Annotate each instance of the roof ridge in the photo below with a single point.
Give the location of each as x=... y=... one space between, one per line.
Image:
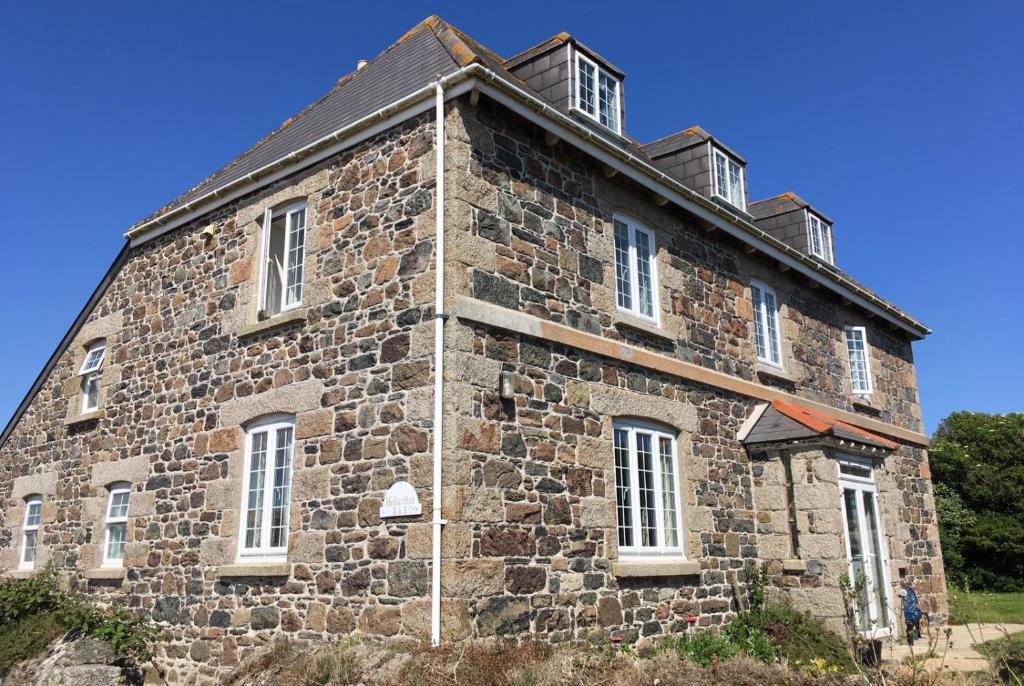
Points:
x=694 y=130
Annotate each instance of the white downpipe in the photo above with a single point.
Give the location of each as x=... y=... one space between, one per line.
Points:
x=439 y=319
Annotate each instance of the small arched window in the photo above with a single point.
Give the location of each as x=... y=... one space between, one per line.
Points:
x=30 y=532
x=648 y=513
x=117 y=524
x=91 y=375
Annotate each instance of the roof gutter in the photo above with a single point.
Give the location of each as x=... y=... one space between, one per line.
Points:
x=707 y=209
x=559 y=123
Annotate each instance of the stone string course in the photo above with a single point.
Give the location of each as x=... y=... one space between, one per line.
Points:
x=528 y=491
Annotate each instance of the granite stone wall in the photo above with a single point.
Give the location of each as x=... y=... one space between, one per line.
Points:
x=530 y=543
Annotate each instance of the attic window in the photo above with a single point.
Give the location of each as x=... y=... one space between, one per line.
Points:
x=92 y=375
x=728 y=178
x=284 y=241
x=597 y=93
x=819 y=239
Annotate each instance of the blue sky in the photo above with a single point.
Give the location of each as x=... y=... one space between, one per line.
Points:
x=902 y=121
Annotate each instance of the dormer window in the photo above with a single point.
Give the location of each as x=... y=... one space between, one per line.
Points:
x=728 y=179
x=597 y=93
x=819 y=238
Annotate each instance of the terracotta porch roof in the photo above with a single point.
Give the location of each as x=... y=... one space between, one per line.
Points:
x=782 y=421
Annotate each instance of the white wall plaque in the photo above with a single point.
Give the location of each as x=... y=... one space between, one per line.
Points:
x=400 y=501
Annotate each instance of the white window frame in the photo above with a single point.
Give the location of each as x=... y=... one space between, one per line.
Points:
x=867 y=359
x=577 y=95
x=633 y=270
x=116 y=489
x=264 y=551
x=660 y=550
x=819 y=232
x=268 y=217
x=725 y=194
x=27 y=528
x=91 y=372
x=761 y=319
x=861 y=485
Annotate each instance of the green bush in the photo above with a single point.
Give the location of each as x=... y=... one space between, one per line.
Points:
x=707 y=647
x=795 y=636
x=25 y=638
x=36 y=610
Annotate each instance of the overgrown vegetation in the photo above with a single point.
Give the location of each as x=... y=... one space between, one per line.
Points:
x=1007 y=657
x=977 y=463
x=35 y=611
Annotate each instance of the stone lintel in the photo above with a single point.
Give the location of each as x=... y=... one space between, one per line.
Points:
x=275 y=322
x=250 y=569
x=651 y=568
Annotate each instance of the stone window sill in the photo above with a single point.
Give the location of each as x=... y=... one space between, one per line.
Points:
x=275 y=322
x=106 y=573
x=762 y=369
x=251 y=569
x=84 y=417
x=625 y=321
x=863 y=402
x=21 y=573
x=624 y=569
x=794 y=566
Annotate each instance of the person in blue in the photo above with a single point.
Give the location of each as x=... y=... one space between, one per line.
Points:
x=912 y=614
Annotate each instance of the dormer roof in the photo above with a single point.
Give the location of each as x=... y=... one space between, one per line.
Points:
x=687 y=138
x=781 y=204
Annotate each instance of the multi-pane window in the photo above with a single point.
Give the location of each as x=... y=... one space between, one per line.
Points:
x=284 y=245
x=30 y=531
x=117 y=524
x=820 y=238
x=728 y=179
x=91 y=373
x=860 y=367
x=766 y=324
x=265 y=498
x=635 y=276
x=597 y=93
x=648 y=515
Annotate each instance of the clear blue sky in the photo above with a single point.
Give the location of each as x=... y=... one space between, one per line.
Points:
x=903 y=121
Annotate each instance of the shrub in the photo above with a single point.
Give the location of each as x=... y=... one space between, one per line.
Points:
x=40 y=603
x=25 y=638
x=795 y=636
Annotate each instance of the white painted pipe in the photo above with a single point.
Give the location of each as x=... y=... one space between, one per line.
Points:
x=439 y=319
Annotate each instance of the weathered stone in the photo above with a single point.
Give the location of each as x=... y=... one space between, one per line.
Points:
x=503 y=615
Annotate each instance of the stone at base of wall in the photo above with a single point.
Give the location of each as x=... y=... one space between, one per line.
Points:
x=255 y=569
x=650 y=568
x=105 y=573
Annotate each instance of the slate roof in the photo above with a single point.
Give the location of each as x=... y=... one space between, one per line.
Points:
x=685 y=139
x=780 y=204
x=413 y=62
x=786 y=422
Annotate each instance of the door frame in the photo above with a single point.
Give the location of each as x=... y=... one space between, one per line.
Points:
x=867 y=484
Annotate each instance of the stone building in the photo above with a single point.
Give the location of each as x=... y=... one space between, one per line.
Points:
x=646 y=383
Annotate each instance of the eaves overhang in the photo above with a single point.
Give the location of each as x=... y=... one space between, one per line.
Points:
x=477 y=77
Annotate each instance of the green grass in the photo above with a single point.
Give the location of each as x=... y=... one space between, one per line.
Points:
x=971 y=607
